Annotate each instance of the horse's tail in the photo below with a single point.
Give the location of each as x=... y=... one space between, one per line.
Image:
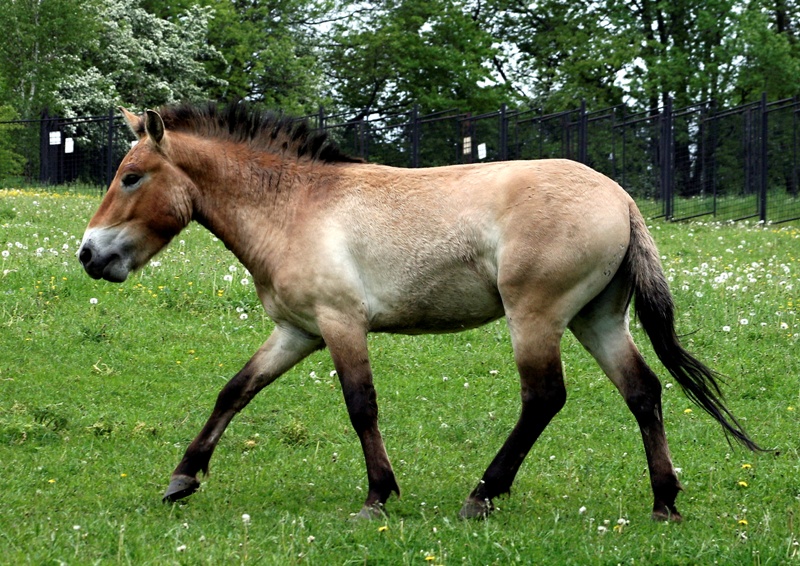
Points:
x=656 y=312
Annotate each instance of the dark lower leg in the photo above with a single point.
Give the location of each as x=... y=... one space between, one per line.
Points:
x=362 y=406
x=643 y=396
x=281 y=351
x=198 y=454
x=543 y=396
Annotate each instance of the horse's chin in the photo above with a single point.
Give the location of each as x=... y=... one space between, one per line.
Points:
x=116 y=272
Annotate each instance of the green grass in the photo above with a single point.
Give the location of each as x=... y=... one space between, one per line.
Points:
x=98 y=400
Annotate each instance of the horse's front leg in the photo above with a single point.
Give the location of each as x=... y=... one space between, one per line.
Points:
x=284 y=348
x=348 y=347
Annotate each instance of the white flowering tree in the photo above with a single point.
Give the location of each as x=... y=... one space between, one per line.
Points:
x=140 y=60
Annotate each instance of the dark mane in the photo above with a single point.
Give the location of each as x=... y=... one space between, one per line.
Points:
x=241 y=122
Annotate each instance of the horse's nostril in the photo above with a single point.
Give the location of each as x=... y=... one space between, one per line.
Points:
x=85 y=256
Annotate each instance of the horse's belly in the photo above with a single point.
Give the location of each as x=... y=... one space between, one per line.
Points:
x=441 y=307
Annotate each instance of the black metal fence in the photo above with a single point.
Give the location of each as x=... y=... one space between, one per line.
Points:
x=736 y=163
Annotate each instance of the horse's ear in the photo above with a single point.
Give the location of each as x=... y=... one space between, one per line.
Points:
x=134 y=122
x=154 y=126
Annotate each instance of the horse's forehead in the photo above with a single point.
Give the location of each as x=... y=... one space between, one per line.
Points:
x=141 y=156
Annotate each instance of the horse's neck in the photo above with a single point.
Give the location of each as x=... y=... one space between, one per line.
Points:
x=246 y=206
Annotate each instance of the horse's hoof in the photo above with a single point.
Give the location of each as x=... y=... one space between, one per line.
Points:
x=475 y=509
x=180 y=487
x=666 y=515
x=371 y=512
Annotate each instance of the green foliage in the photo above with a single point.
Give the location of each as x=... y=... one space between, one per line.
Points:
x=140 y=60
x=379 y=58
x=40 y=44
x=11 y=163
x=90 y=429
x=393 y=54
x=270 y=53
x=770 y=60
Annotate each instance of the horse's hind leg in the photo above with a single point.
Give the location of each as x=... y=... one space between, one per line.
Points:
x=538 y=357
x=602 y=328
x=280 y=352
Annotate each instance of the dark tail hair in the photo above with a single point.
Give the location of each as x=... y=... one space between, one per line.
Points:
x=656 y=312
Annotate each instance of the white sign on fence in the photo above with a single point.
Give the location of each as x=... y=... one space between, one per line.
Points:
x=55 y=138
x=69 y=145
x=482 y=151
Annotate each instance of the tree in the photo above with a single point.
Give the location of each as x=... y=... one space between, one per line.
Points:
x=769 y=51
x=268 y=49
x=11 y=163
x=270 y=52
x=41 y=42
x=557 y=52
x=141 y=60
x=387 y=56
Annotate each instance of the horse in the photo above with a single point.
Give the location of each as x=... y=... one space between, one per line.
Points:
x=339 y=248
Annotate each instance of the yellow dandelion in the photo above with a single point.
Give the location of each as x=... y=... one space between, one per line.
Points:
x=746 y=466
x=191 y=351
x=383 y=529
x=742 y=484
x=742 y=522
x=790 y=408
x=687 y=411
x=51 y=481
x=429 y=558
x=123 y=475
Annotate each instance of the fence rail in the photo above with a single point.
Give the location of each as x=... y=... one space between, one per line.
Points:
x=735 y=163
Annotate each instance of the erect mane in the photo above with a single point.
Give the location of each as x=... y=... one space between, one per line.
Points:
x=240 y=122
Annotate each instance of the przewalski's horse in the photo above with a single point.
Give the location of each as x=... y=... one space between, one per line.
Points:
x=338 y=248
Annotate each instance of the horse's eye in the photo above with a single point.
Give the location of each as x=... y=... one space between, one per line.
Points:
x=130 y=180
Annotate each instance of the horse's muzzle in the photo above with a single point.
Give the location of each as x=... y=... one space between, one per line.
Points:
x=108 y=266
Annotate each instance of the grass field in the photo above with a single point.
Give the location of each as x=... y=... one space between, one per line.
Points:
x=102 y=387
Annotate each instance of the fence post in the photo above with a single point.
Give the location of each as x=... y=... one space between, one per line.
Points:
x=503 y=132
x=763 y=170
x=583 y=130
x=43 y=147
x=110 y=148
x=666 y=157
x=415 y=134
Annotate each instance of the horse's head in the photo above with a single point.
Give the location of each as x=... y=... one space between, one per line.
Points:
x=148 y=203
